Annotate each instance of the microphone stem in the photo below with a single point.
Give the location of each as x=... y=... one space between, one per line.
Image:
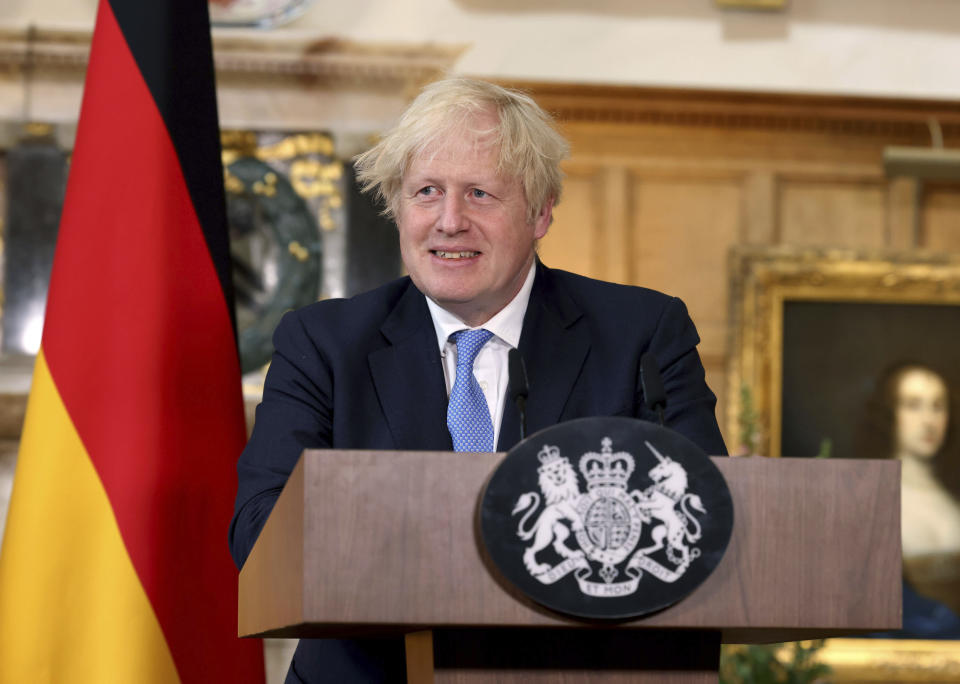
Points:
x=522 y=405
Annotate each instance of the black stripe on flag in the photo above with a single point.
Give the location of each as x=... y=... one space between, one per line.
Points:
x=170 y=41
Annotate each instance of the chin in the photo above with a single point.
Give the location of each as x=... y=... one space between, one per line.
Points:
x=924 y=455
x=452 y=297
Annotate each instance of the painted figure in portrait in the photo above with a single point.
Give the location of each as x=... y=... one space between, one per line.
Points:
x=909 y=418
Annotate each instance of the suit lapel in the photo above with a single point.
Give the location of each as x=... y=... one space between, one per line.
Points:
x=554 y=349
x=409 y=378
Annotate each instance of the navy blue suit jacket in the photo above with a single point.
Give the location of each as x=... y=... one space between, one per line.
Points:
x=365 y=373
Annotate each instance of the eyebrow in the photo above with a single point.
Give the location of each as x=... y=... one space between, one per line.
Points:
x=422 y=181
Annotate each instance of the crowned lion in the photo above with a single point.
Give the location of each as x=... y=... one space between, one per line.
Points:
x=561 y=491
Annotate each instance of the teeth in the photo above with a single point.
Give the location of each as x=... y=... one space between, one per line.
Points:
x=456 y=255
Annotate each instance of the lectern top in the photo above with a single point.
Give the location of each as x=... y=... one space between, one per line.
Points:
x=385 y=542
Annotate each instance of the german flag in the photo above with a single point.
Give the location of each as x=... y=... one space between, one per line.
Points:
x=114 y=566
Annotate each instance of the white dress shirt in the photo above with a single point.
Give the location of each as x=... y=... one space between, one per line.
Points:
x=491 y=366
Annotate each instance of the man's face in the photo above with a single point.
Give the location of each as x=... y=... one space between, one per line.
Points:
x=464 y=234
x=921 y=415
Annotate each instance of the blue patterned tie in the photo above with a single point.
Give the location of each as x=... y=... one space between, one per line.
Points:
x=468 y=417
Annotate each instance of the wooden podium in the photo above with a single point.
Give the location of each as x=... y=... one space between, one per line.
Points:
x=374 y=543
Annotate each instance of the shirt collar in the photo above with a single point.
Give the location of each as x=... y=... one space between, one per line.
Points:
x=507 y=324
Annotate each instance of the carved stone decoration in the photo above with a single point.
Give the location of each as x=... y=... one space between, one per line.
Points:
x=299 y=230
x=290 y=82
x=281 y=190
x=263 y=14
x=238 y=52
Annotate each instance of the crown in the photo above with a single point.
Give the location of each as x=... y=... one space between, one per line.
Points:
x=606 y=469
x=548 y=454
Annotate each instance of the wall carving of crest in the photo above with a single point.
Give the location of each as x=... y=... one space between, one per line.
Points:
x=263 y=81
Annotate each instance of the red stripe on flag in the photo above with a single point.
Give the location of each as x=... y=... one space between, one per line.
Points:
x=140 y=345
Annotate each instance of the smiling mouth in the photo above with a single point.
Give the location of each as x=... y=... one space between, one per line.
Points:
x=454 y=255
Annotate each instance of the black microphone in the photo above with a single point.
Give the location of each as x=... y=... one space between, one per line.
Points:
x=518 y=388
x=654 y=396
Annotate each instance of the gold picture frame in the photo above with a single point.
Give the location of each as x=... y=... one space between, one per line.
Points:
x=891 y=661
x=766 y=284
x=763 y=280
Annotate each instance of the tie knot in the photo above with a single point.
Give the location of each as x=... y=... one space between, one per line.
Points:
x=468 y=344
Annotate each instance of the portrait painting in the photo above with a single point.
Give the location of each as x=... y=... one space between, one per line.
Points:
x=847 y=354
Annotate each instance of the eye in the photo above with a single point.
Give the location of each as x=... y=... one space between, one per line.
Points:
x=911 y=403
x=477 y=193
x=427 y=191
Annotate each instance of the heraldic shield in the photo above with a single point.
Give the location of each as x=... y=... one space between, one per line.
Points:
x=606 y=518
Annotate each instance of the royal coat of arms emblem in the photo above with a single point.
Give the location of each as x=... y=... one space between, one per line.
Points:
x=603 y=525
x=611 y=533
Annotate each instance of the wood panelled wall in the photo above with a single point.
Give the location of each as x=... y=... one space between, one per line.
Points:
x=661 y=184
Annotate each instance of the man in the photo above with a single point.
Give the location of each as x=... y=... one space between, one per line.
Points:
x=471 y=175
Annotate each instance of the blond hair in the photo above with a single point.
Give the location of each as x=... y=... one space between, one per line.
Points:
x=530 y=148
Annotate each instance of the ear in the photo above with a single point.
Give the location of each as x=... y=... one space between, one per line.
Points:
x=543 y=220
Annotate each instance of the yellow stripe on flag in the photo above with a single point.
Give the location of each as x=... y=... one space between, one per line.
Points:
x=73 y=609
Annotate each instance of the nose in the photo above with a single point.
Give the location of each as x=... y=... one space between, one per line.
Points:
x=452 y=219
